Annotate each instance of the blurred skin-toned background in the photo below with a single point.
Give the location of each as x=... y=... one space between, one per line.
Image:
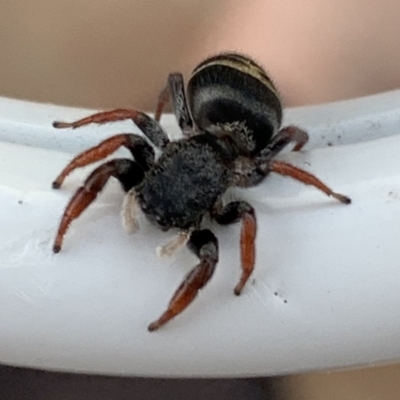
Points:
x=118 y=54
x=108 y=54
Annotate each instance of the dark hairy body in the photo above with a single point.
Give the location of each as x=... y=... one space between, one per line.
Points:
x=187 y=180
x=230 y=115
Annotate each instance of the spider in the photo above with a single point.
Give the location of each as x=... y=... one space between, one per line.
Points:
x=230 y=115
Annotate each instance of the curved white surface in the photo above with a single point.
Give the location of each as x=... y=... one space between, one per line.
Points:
x=325 y=292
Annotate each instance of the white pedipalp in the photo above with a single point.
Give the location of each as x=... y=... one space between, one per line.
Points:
x=174 y=245
x=129 y=212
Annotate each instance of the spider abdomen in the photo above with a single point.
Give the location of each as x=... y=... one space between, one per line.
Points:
x=231 y=89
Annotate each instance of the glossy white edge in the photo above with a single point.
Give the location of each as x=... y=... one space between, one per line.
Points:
x=324 y=294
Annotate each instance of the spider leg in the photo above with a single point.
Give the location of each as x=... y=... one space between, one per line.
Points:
x=286 y=169
x=147 y=125
x=126 y=171
x=234 y=212
x=285 y=136
x=129 y=212
x=204 y=244
x=140 y=149
x=175 y=91
x=250 y=172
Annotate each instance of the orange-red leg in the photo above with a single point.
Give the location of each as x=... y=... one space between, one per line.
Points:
x=247 y=249
x=286 y=169
x=234 y=212
x=146 y=124
x=129 y=174
x=141 y=150
x=174 y=91
x=163 y=100
x=295 y=134
x=101 y=118
x=205 y=245
x=284 y=137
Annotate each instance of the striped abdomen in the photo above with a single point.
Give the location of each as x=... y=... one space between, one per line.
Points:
x=231 y=88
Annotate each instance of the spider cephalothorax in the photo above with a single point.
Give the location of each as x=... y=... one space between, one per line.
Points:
x=231 y=125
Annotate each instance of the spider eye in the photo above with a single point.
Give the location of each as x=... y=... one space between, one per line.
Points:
x=162 y=223
x=160 y=220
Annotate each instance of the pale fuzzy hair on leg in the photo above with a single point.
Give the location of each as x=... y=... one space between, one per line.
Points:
x=129 y=212
x=175 y=244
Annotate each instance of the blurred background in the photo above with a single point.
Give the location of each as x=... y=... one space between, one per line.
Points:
x=108 y=54
x=118 y=53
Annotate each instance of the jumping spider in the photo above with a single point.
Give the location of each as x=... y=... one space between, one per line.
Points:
x=231 y=125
